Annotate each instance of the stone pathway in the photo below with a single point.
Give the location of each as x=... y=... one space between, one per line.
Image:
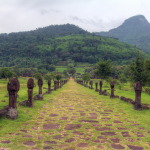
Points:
x=80 y=120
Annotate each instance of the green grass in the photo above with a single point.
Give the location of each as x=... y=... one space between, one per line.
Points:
x=78 y=69
x=77 y=98
x=61 y=68
x=22 y=92
x=126 y=91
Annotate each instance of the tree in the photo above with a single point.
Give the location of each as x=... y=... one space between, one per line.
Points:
x=86 y=77
x=103 y=69
x=48 y=76
x=147 y=65
x=6 y=73
x=53 y=75
x=37 y=76
x=139 y=76
x=138 y=71
x=71 y=71
x=46 y=67
x=58 y=77
x=65 y=73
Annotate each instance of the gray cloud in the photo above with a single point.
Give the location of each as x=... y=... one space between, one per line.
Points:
x=92 y=15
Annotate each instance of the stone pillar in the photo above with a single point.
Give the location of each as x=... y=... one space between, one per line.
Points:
x=96 y=85
x=55 y=85
x=138 y=91
x=58 y=83
x=63 y=82
x=101 y=85
x=40 y=84
x=30 y=86
x=49 y=86
x=86 y=83
x=112 y=86
x=91 y=84
x=13 y=87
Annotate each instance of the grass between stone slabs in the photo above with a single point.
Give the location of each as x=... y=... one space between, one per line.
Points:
x=75 y=104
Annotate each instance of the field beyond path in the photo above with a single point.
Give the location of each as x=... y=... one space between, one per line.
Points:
x=78 y=118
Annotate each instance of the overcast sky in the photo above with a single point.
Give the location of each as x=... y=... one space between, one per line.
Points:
x=91 y=15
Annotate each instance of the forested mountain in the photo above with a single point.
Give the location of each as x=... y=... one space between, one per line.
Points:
x=54 y=44
x=135 y=31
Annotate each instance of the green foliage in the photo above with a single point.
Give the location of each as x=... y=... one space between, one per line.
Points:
x=86 y=77
x=48 y=76
x=58 y=77
x=123 y=78
x=55 y=44
x=6 y=73
x=65 y=73
x=53 y=75
x=103 y=69
x=46 y=67
x=37 y=76
x=71 y=71
x=25 y=71
x=138 y=70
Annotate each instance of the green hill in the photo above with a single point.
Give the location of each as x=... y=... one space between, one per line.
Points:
x=61 y=43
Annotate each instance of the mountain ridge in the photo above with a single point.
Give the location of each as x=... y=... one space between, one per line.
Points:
x=53 y=44
x=134 y=30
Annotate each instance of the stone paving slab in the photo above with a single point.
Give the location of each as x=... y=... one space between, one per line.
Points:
x=79 y=120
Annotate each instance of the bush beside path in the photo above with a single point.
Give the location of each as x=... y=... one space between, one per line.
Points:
x=78 y=118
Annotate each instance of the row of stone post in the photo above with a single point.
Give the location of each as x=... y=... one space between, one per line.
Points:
x=59 y=83
x=137 y=88
x=13 y=87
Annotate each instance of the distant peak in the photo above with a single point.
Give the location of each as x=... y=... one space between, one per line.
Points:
x=138 y=16
x=137 y=19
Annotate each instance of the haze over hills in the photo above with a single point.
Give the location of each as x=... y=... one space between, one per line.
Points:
x=57 y=43
x=135 y=31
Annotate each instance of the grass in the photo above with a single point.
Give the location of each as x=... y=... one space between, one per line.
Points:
x=78 y=69
x=22 y=92
x=126 y=91
x=61 y=68
x=70 y=101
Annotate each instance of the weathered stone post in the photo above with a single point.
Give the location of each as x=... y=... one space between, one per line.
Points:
x=58 y=83
x=86 y=83
x=30 y=86
x=101 y=85
x=49 y=86
x=96 y=85
x=112 y=86
x=13 y=87
x=55 y=85
x=40 y=84
x=138 y=91
x=91 y=84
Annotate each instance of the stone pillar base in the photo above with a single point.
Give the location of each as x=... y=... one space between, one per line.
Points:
x=12 y=113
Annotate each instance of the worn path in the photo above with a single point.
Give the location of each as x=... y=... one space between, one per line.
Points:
x=78 y=119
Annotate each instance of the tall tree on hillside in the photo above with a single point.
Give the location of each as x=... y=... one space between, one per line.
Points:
x=103 y=71
x=139 y=75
